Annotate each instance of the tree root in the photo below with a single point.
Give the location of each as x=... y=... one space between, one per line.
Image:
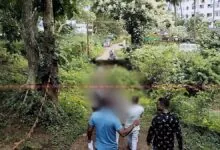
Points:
x=17 y=144
x=28 y=136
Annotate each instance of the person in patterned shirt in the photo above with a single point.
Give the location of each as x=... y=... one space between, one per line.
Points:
x=165 y=126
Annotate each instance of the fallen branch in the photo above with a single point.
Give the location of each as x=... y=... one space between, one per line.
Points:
x=17 y=144
x=25 y=97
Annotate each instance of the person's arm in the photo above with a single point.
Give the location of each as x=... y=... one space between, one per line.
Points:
x=125 y=131
x=90 y=129
x=89 y=133
x=151 y=132
x=142 y=112
x=178 y=134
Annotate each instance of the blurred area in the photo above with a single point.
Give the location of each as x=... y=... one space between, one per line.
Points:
x=58 y=63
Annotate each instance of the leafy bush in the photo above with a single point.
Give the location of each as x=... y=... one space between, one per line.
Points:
x=14 y=67
x=154 y=62
x=121 y=76
x=197 y=138
x=193 y=110
x=203 y=35
x=167 y=64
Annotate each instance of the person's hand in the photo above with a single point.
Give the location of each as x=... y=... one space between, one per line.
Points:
x=90 y=145
x=136 y=122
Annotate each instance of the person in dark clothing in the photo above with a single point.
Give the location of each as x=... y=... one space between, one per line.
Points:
x=165 y=126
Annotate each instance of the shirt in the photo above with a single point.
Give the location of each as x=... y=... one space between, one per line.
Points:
x=134 y=113
x=106 y=124
x=164 y=127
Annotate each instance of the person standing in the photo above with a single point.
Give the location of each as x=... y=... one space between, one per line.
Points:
x=135 y=112
x=106 y=124
x=165 y=126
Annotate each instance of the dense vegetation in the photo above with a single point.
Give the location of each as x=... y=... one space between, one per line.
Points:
x=158 y=68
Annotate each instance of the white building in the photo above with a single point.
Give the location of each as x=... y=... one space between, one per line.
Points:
x=209 y=9
x=80 y=28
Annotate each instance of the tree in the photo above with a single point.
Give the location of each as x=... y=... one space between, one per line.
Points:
x=213 y=12
x=104 y=25
x=175 y=3
x=49 y=54
x=137 y=15
x=181 y=9
x=29 y=35
x=40 y=47
x=194 y=3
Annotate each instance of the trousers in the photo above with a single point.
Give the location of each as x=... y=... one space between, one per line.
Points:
x=133 y=139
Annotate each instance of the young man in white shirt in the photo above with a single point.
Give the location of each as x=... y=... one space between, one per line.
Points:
x=135 y=112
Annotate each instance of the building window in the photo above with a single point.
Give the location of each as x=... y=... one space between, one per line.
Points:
x=201 y=6
x=192 y=15
x=202 y=1
x=209 y=14
x=209 y=5
x=187 y=8
x=187 y=16
x=202 y=15
x=217 y=13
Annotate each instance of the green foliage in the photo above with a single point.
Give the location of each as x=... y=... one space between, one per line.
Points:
x=167 y=64
x=206 y=37
x=73 y=51
x=74 y=122
x=193 y=110
x=105 y=25
x=120 y=76
x=138 y=15
x=14 y=67
x=155 y=63
x=179 y=31
x=199 y=138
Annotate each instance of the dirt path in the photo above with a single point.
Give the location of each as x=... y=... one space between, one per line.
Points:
x=113 y=47
x=81 y=142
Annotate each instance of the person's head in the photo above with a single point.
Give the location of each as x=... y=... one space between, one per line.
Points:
x=135 y=100
x=163 y=103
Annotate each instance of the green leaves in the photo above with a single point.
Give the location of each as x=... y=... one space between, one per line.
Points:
x=138 y=15
x=167 y=64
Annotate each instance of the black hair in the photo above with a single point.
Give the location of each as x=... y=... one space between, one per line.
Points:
x=165 y=101
x=135 y=99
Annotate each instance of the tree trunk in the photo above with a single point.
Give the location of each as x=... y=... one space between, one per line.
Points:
x=29 y=31
x=194 y=19
x=49 y=57
x=181 y=9
x=213 y=18
x=174 y=5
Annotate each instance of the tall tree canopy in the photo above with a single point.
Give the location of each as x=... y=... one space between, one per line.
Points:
x=40 y=48
x=137 y=14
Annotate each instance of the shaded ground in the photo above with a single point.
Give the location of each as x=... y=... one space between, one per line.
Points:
x=81 y=142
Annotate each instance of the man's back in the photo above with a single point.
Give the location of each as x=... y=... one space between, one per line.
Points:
x=106 y=125
x=134 y=113
x=164 y=127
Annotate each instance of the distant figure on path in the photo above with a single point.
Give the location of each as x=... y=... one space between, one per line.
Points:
x=135 y=111
x=106 y=124
x=111 y=55
x=164 y=127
